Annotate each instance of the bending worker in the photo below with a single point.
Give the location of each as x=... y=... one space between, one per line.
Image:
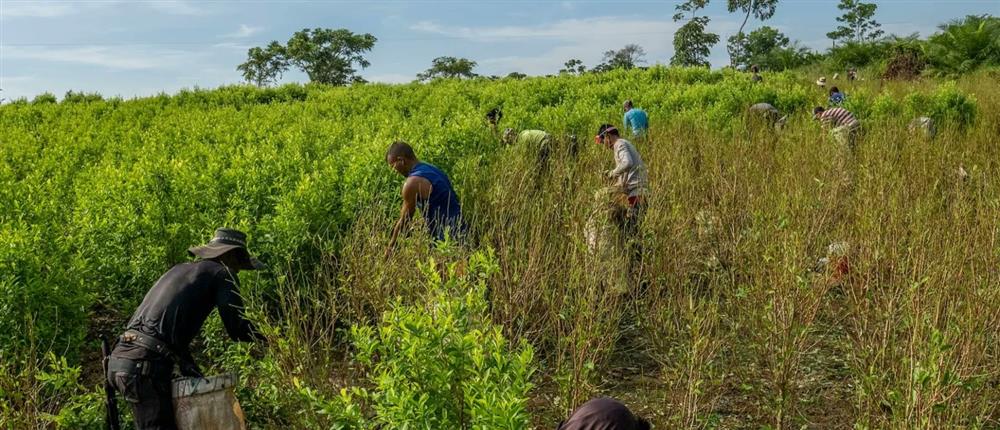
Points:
x=843 y=125
x=534 y=141
x=631 y=181
x=428 y=188
x=159 y=334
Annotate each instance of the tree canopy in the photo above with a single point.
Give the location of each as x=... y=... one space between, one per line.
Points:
x=327 y=56
x=449 y=67
x=859 y=22
x=692 y=44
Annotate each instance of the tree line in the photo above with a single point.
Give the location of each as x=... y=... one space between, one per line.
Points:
x=334 y=57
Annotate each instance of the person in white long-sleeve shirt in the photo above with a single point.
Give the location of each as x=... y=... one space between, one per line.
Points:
x=629 y=173
x=630 y=180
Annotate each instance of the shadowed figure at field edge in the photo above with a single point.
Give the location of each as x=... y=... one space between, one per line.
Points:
x=428 y=188
x=159 y=334
x=603 y=413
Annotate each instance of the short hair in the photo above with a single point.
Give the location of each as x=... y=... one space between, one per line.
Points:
x=628 y=103
x=400 y=149
x=834 y=90
x=754 y=68
x=607 y=129
x=818 y=109
x=494 y=114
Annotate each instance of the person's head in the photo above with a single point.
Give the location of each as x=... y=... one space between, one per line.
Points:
x=607 y=135
x=493 y=117
x=627 y=106
x=834 y=90
x=229 y=248
x=754 y=68
x=508 y=136
x=817 y=111
x=400 y=157
x=604 y=412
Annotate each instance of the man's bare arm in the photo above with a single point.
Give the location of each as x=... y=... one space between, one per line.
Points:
x=415 y=187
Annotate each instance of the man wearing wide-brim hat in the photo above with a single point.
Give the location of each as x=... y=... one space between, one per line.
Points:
x=158 y=336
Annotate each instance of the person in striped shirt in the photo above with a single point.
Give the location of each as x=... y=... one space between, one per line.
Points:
x=844 y=127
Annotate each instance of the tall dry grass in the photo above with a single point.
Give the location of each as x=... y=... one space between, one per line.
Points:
x=737 y=323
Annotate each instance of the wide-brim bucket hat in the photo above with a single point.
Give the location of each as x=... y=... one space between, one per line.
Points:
x=226 y=240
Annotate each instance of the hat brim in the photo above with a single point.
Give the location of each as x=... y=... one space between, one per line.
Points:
x=215 y=250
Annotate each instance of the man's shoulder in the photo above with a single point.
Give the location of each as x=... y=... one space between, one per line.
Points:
x=200 y=268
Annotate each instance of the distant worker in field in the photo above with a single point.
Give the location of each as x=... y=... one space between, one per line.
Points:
x=843 y=126
x=755 y=77
x=852 y=74
x=603 y=413
x=493 y=118
x=635 y=119
x=429 y=189
x=836 y=97
x=536 y=142
x=821 y=82
x=923 y=126
x=158 y=336
x=765 y=113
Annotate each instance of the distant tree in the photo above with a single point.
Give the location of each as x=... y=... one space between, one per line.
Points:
x=516 y=75
x=449 y=67
x=859 y=20
x=81 y=97
x=573 y=67
x=692 y=44
x=760 y=9
x=964 y=45
x=329 y=56
x=768 y=48
x=626 y=58
x=264 y=66
x=44 y=98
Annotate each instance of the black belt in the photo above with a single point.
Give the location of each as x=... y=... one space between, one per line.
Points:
x=125 y=365
x=149 y=342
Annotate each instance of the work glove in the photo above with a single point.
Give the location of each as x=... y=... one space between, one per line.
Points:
x=191 y=370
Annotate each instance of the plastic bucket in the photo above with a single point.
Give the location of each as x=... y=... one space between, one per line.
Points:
x=207 y=403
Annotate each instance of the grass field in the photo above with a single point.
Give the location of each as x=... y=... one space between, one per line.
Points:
x=736 y=324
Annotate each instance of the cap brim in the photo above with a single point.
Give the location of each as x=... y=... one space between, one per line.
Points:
x=247 y=262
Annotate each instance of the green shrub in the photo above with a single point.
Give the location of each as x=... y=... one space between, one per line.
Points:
x=82 y=408
x=444 y=364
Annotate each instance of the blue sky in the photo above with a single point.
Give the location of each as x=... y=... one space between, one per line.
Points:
x=143 y=47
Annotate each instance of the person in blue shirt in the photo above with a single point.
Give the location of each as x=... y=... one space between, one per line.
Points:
x=836 y=97
x=429 y=189
x=635 y=119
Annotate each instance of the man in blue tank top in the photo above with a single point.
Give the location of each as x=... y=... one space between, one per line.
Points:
x=429 y=189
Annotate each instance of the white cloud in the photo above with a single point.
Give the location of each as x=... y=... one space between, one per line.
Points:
x=122 y=58
x=34 y=9
x=54 y=9
x=243 y=32
x=233 y=45
x=586 y=39
x=175 y=7
x=391 y=78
